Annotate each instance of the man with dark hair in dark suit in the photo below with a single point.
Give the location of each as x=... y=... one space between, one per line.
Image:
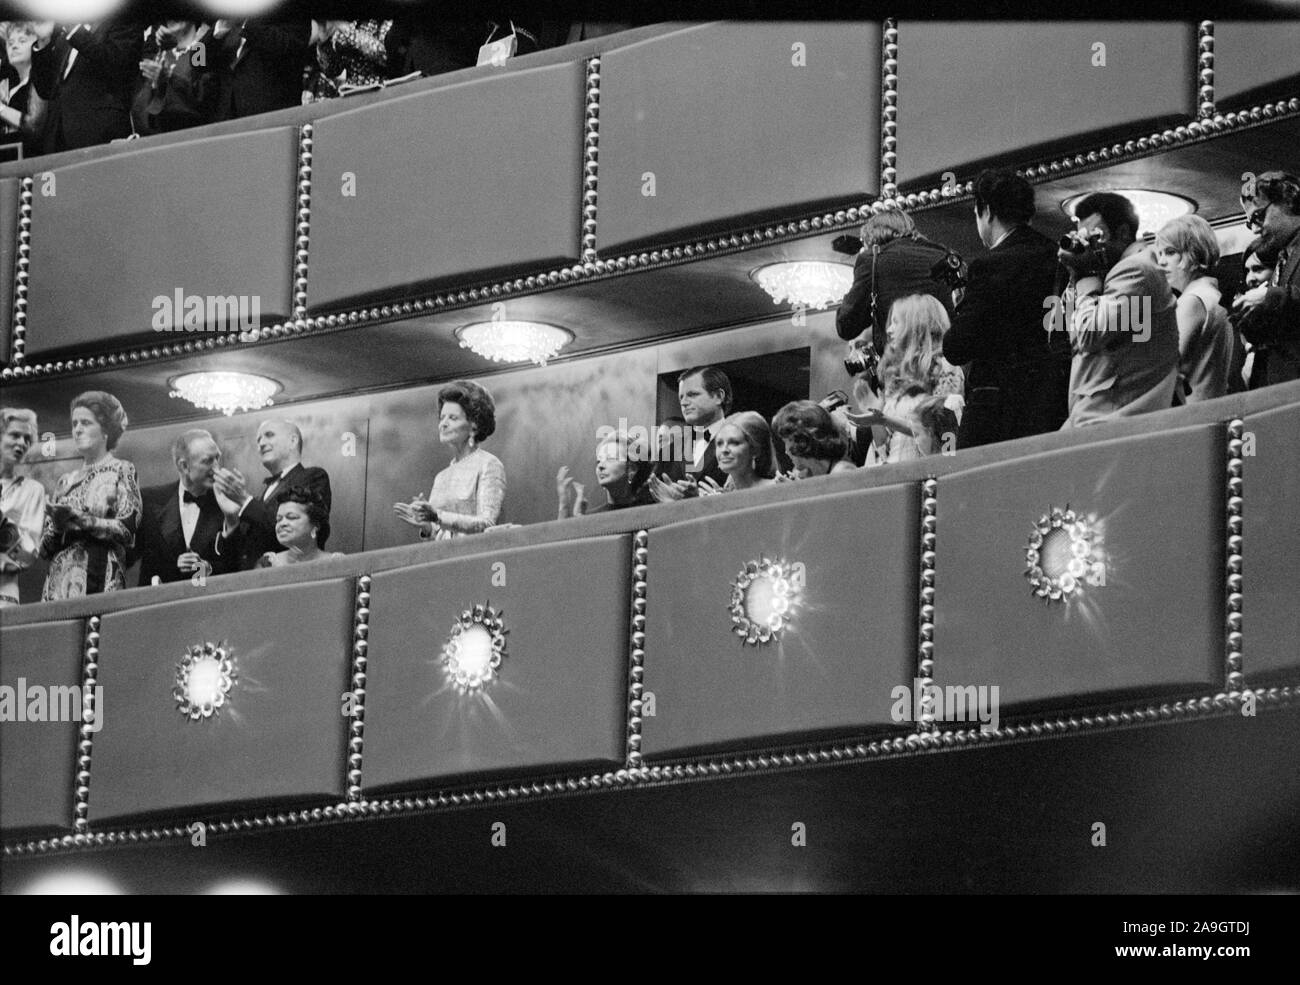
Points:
x=180 y=521
x=261 y=64
x=1268 y=316
x=87 y=73
x=280 y=445
x=1019 y=377
x=704 y=394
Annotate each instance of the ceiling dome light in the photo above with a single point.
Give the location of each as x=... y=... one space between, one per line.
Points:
x=816 y=284
x=1154 y=209
x=514 y=341
x=226 y=392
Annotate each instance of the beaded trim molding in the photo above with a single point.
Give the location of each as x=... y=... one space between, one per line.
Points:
x=914 y=744
x=357 y=719
x=593 y=267
x=636 y=652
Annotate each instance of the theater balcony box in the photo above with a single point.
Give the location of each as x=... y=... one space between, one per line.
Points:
x=851 y=632
x=38 y=758
x=558 y=697
x=112 y=235
x=733 y=120
x=1144 y=606
x=279 y=733
x=1271 y=535
x=477 y=177
x=1033 y=85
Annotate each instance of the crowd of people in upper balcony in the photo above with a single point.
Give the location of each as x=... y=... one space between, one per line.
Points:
x=1031 y=337
x=64 y=87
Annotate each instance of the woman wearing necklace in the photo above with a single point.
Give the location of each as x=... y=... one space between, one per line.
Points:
x=91 y=517
x=467 y=494
x=302 y=524
x=744 y=449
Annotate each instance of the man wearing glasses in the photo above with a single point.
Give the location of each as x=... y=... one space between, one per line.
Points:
x=1268 y=316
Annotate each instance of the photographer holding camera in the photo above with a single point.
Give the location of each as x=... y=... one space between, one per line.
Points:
x=895 y=261
x=1018 y=380
x=1124 y=330
x=22 y=502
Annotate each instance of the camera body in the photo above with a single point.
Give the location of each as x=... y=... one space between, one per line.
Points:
x=1079 y=243
x=950 y=271
x=10 y=535
x=861 y=360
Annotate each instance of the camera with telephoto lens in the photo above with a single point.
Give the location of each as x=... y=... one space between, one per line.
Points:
x=1080 y=242
x=9 y=535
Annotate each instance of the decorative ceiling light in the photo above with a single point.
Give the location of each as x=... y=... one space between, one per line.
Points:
x=226 y=392
x=1059 y=556
x=204 y=678
x=1154 y=209
x=514 y=341
x=816 y=284
x=474 y=650
x=763 y=599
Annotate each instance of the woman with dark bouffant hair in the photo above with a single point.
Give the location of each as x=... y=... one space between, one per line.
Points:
x=302 y=525
x=812 y=442
x=743 y=445
x=90 y=519
x=467 y=494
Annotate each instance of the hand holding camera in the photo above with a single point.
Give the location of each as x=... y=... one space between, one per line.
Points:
x=1083 y=252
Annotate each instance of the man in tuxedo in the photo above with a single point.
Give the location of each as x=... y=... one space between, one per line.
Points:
x=180 y=521
x=280 y=445
x=1268 y=316
x=262 y=63
x=1018 y=380
x=87 y=73
x=704 y=394
x=1123 y=328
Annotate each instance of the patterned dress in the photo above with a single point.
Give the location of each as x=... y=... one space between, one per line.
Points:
x=468 y=495
x=88 y=561
x=353 y=55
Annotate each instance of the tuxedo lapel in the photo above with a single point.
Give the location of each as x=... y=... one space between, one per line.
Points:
x=205 y=531
x=169 y=524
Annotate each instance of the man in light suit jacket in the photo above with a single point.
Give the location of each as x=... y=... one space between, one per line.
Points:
x=1268 y=316
x=180 y=520
x=1123 y=329
x=87 y=73
x=1018 y=380
x=280 y=445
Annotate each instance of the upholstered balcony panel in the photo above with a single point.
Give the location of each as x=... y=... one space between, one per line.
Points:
x=736 y=120
x=453 y=183
x=280 y=733
x=1271 y=543
x=8 y=262
x=38 y=757
x=1256 y=58
x=969 y=91
x=115 y=239
x=559 y=696
x=852 y=633
x=1148 y=610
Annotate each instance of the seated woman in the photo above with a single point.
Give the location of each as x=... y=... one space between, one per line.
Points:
x=90 y=519
x=302 y=524
x=623 y=470
x=812 y=441
x=467 y=494
x=743 y=445
x=911 y=369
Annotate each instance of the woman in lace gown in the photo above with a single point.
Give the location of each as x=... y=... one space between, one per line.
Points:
x=91 y=517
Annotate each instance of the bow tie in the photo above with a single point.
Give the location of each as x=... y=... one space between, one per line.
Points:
x=272 y=480
x=207 y=497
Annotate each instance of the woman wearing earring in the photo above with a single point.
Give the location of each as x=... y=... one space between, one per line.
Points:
x=467 y=494
x=91 y=518
x=744 y=449
x=302 y=524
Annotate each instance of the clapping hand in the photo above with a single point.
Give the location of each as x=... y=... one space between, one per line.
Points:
x=667 y=490
x=151 y=69
x=708 y=486
x=231 y=484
